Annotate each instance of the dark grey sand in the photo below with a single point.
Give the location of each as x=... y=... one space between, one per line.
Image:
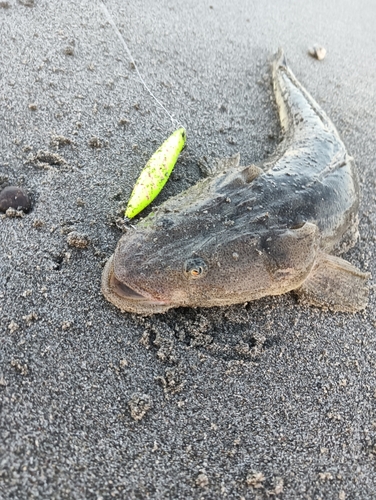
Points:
x=268 y=399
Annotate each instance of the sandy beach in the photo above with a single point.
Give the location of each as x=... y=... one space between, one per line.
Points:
x=269 y=399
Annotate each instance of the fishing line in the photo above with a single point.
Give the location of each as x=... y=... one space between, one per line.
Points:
x=174 y=121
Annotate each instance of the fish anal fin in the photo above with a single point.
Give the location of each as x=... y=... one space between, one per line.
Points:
x=335 y=284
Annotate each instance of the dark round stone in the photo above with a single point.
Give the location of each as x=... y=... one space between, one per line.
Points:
x=14 y=197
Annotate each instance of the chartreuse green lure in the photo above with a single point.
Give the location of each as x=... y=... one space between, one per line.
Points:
x=155 y=174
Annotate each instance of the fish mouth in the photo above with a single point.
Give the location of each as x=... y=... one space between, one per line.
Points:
x=126 y=298
x=124 y=290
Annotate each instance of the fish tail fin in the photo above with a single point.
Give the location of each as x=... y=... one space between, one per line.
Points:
x=285 y=87
x=280 y=60
x=279 y=68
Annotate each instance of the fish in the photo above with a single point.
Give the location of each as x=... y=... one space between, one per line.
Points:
x=247 y=232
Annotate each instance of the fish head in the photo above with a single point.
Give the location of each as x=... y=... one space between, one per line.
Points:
x=200 y=258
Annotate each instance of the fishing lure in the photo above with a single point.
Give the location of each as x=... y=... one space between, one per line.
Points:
x=155 y=174
x=158 y=169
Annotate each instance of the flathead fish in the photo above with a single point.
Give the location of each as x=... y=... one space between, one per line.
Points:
x=248 y=232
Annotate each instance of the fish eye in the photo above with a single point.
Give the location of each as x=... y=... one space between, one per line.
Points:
x=195 y=268
x=197 y=271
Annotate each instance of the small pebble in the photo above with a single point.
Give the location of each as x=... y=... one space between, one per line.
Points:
x=255 y=479
x=14 y=197
x=202 y=480
x=69 y=51
x=317 y=51
x=139 y=405
x=12 y=213
x=37 y=223
x=13 y=326
x=94 y=142
x=30 y=318
x=123 y=121
x=58 y=141
x=78 y=240
x=19 y=367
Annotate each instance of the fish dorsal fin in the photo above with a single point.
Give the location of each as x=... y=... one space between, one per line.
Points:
x=238 y=177
x=222 y=164
x=211 y=168
x=250 y=173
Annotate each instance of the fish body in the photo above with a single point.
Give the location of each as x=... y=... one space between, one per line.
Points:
x=248 y=232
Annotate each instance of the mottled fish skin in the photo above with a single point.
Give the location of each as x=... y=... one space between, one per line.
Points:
x=249 y=232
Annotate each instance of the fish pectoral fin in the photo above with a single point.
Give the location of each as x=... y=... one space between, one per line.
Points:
x=335 y=284
x=250 y=173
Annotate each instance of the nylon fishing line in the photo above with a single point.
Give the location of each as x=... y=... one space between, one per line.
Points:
x=110 y=19
x=158 y=169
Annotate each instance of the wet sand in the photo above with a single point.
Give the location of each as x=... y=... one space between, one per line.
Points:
x=270 y=399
